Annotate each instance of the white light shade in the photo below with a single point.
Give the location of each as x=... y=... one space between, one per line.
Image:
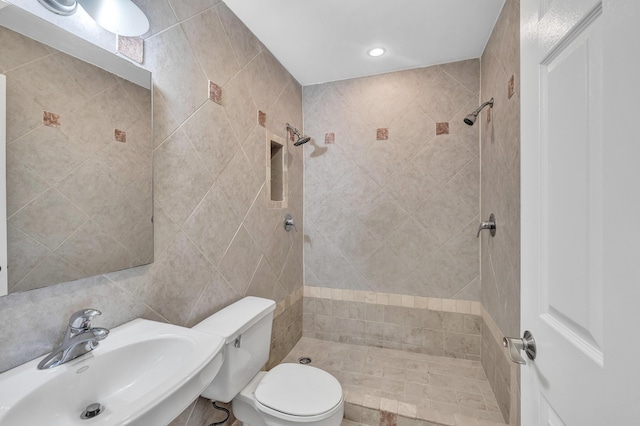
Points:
x=376 y=51
x=121 y=17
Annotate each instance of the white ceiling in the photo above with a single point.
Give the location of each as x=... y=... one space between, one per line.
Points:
x=327 y=40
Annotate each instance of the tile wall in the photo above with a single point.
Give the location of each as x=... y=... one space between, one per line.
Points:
x=500 y=194
x=78 y=167
x=441 y=327
x=215 y=240
x=391 y=183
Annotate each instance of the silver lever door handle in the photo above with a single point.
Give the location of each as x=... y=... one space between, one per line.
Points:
x=515 y=345
x=490 y=225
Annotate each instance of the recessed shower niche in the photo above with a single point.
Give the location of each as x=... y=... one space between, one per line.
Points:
x=277 y=176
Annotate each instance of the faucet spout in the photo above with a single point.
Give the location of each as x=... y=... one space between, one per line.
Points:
x=79 y=339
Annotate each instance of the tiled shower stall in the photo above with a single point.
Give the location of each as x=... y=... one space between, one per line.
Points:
x=394 y=187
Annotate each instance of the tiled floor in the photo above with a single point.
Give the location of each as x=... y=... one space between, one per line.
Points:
x=414 y=386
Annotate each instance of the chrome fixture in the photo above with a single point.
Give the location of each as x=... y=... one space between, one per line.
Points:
x=471 y=118
x=79 y=339
x=490 y=225
x=300 y=140
x=288 y=223
x=515 y=345
x=91 y=411
x=120 y=17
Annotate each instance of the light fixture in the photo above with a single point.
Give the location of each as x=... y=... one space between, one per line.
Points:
x=120 y=17
x=376 y=51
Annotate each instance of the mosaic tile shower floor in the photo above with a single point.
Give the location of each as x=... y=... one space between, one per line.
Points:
x=391 y=387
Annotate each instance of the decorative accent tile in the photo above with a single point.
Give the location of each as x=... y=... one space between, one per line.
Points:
x=215 y=93
x=329 y=138
x=50 y=119
x=120 y=136
x=442 y=128
x=131 y=47
x=388 y=419
x=511 y=86
x=262 y=118
x=401 y=300
x=382 y=134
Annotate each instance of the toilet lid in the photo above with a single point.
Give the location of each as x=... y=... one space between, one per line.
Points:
x=299 y=390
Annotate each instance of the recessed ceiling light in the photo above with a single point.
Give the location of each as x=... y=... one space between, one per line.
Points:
x=376 y=51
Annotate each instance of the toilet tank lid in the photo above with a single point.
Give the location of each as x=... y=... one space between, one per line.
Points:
x=236 y=318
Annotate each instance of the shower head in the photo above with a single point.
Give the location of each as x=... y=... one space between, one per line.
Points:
x=471 y=118
x=300 y=140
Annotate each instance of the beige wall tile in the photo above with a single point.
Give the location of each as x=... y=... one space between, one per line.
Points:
x=180 y=179
x=500 y=195
x=210 y=45
x=182 y=286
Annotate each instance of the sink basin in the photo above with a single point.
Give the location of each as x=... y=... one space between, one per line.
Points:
x=145 y=373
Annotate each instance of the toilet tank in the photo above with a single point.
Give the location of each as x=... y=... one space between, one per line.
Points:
x=246 y=328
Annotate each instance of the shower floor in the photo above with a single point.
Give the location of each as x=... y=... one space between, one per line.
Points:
x=391 y=387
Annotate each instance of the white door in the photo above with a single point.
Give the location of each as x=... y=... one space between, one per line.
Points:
x=581 y=211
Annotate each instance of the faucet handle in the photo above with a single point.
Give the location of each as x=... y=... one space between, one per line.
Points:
x=82 y=319
x=490 y=225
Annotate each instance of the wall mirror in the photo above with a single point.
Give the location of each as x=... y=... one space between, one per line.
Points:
x=78 y=156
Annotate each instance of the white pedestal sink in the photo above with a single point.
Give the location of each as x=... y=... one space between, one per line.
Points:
x=145 y=374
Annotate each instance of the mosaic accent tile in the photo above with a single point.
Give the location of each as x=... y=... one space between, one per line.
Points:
x=511 y=86
x=262 y=118
x=382 y=134
x=120 y=136
x=50 y=119
x=329 y=138
x=388 y=419
x=215 y=93
x=131 y=47
x=442 y=128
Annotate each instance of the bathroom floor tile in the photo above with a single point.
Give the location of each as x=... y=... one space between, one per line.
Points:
x=447 y=386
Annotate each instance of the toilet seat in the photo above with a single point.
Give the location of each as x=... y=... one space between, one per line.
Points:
x=299 y=391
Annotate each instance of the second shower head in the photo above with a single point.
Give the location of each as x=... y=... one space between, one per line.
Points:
x=471 y=118
x=301 y=140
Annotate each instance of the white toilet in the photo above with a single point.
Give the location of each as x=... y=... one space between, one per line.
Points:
x=289 y=394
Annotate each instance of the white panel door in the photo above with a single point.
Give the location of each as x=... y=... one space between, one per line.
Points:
x=580 y=211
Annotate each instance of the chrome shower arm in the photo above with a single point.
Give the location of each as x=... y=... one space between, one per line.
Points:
x=477 y=111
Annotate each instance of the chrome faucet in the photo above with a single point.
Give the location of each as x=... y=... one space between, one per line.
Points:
x=79 y=339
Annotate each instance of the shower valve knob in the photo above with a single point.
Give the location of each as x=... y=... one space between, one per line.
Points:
x=288 y=223
x=490 y=225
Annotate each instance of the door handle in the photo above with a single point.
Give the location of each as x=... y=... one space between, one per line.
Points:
x=515 y=345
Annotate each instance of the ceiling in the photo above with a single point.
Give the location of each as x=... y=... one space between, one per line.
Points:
x=328 y=40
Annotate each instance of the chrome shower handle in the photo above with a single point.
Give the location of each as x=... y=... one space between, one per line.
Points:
x=288 y=223
x=490 y=225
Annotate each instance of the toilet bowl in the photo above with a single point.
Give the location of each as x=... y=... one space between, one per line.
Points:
x=289 y=394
